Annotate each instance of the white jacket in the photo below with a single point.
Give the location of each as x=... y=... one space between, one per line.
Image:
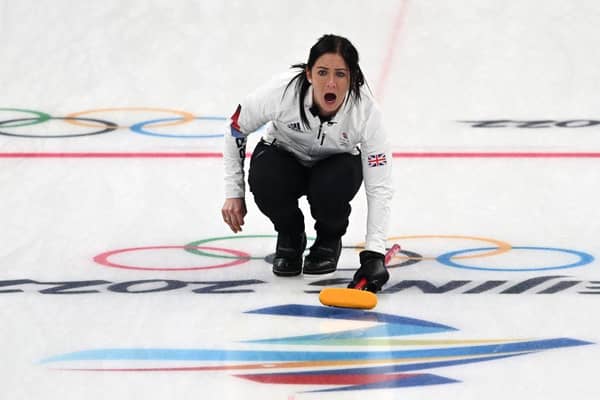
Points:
x=356 y=124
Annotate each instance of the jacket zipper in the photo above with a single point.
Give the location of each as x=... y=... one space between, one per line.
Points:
x=321 y=133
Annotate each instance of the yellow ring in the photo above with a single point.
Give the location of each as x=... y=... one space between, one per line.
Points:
x=503 y=247
x=186 y=116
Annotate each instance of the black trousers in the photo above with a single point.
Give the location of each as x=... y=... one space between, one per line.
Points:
x=277 y=180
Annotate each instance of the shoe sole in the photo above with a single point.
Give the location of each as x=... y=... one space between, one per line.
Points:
x=287 y=273
x=326 y=274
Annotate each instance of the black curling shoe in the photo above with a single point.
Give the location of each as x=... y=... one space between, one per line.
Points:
x=323 y=257
x=288 y=254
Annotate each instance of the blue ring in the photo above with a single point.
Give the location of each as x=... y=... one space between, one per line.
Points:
x=585 y=258
x=139 y=128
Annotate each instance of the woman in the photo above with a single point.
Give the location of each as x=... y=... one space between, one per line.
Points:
x=325 y=135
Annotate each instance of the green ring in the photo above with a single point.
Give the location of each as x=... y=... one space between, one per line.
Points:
x=41 y=117
x=190 y=246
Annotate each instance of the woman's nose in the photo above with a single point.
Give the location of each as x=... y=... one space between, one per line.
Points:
x=331 y=82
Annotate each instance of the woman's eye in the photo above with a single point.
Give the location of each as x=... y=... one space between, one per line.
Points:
x=341 y=74
x=322 y=72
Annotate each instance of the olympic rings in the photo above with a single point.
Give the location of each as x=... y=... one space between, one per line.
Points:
x=409 y=257
x=41 y=117
x=584 y=259
x=241 y=257
x=186 y=116
x=181 y=117
x=139 y=128
x=110 y=126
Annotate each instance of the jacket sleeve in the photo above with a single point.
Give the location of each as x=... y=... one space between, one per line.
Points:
x=234 y=154
x=255 y=110
x=377 y=174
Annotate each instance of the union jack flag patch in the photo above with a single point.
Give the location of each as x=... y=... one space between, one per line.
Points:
x=376 y=160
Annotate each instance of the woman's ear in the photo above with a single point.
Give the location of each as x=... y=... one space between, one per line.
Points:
x=308 y=75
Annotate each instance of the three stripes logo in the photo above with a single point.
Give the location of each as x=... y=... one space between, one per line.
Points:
x=295 y=126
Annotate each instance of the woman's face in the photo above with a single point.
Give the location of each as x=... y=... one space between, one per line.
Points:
x=330 y=78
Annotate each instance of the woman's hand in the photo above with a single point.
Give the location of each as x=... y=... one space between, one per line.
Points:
x=234 y=211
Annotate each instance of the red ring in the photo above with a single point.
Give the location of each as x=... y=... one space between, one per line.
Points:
x=103 y=258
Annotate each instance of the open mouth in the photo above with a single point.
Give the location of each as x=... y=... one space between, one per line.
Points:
x=330 y=98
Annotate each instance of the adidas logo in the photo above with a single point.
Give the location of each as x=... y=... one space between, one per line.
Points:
x=295 y=126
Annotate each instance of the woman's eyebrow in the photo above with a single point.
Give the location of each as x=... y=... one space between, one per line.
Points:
x=337 y=69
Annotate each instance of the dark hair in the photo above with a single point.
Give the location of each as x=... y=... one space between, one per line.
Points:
x=329 y=44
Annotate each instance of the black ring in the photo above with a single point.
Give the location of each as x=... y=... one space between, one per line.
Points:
x=110 y=126
x=414 y=258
